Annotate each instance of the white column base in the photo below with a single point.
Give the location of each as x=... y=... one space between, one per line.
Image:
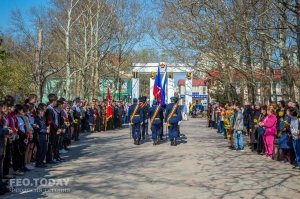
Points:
x=151 y=98
x=135 y=93
x=171 y=90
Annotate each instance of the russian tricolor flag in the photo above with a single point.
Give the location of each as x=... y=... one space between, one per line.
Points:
x=157 y=89
x=164 y=83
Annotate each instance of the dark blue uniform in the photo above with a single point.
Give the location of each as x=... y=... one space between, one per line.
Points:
x=145 y=108
x=173 y=121
x=135 y=121
x=156 y=124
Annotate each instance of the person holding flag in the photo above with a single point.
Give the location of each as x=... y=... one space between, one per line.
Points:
x=157 y=86
x=163 y=99
x=135 y=113
x=156 y=115
x=109 y=109
x=145 y=107
x=164 y=83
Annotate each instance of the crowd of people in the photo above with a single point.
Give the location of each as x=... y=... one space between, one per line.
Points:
x=35 y=134
x=271 y=131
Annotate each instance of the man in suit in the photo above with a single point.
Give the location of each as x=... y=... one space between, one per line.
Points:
x=52 y=121
x=77 y=114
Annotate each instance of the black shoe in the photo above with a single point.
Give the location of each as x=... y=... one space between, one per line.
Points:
x=51 y=162
x=172 y=144
x=135 y=142
x=143 y=138
x=4 y=190
x=161 y=138
x=154 y=143
x=5 y=183
x=138 y=142
x=25 y=169
x=40 y=165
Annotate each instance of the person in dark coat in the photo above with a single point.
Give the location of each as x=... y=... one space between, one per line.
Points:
x=42 y=136
x=91 y=117
x=77 y=115
x=135 y=113
x=145 y=107
x=155 y=116
x=52 y=122
x=4 y=134
x=173 y=119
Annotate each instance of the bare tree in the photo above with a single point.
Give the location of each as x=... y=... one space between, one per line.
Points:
x=35 y=49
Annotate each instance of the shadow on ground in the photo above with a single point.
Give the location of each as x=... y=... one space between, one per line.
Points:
x=108 y=165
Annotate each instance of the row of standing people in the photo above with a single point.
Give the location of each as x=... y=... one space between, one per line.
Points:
x=35 y=134
x=272 y=131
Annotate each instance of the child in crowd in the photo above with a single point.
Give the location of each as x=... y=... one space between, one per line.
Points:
x=285 y=137
x=43 y=134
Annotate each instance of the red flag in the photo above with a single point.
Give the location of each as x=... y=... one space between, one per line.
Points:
x=157 y=86
x=109 y=110
x=108 y=94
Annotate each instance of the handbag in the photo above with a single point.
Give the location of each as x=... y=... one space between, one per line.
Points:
x=260 y=131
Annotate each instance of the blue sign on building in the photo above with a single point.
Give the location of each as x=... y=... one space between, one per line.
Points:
x=197 y=95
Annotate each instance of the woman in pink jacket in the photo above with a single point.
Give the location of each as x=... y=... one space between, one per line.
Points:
x=269 y=124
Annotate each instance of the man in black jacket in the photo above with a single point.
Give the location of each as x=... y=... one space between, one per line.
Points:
x=52 y=123
x=4 y=133
x=77 y=114
x=42 y=134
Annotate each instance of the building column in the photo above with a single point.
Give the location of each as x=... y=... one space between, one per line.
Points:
x=188 y=92
x=135 y=91
x=151 y=98
x=170 y=89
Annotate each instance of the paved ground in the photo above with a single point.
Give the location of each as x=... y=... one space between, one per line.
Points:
x=108 y=165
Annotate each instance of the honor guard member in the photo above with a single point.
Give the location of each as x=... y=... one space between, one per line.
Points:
x=145 y=107
x=173 y=119
x=156 y=116
x=135 y=113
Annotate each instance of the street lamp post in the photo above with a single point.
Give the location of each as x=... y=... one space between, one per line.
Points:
x=297 y=93
x=120 y=82
x=207 y=83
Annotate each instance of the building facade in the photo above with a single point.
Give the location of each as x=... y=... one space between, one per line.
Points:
x=199 y=91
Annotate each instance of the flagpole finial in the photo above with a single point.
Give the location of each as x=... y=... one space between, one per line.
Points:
x=162 y=65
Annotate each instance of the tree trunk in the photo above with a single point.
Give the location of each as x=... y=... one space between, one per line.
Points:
x=37 y=63
x=68 y=60
x=298 y=43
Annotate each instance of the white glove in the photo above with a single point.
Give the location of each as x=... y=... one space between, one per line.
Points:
x=179 y=123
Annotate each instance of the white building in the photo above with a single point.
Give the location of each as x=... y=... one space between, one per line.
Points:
x=199 y=90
